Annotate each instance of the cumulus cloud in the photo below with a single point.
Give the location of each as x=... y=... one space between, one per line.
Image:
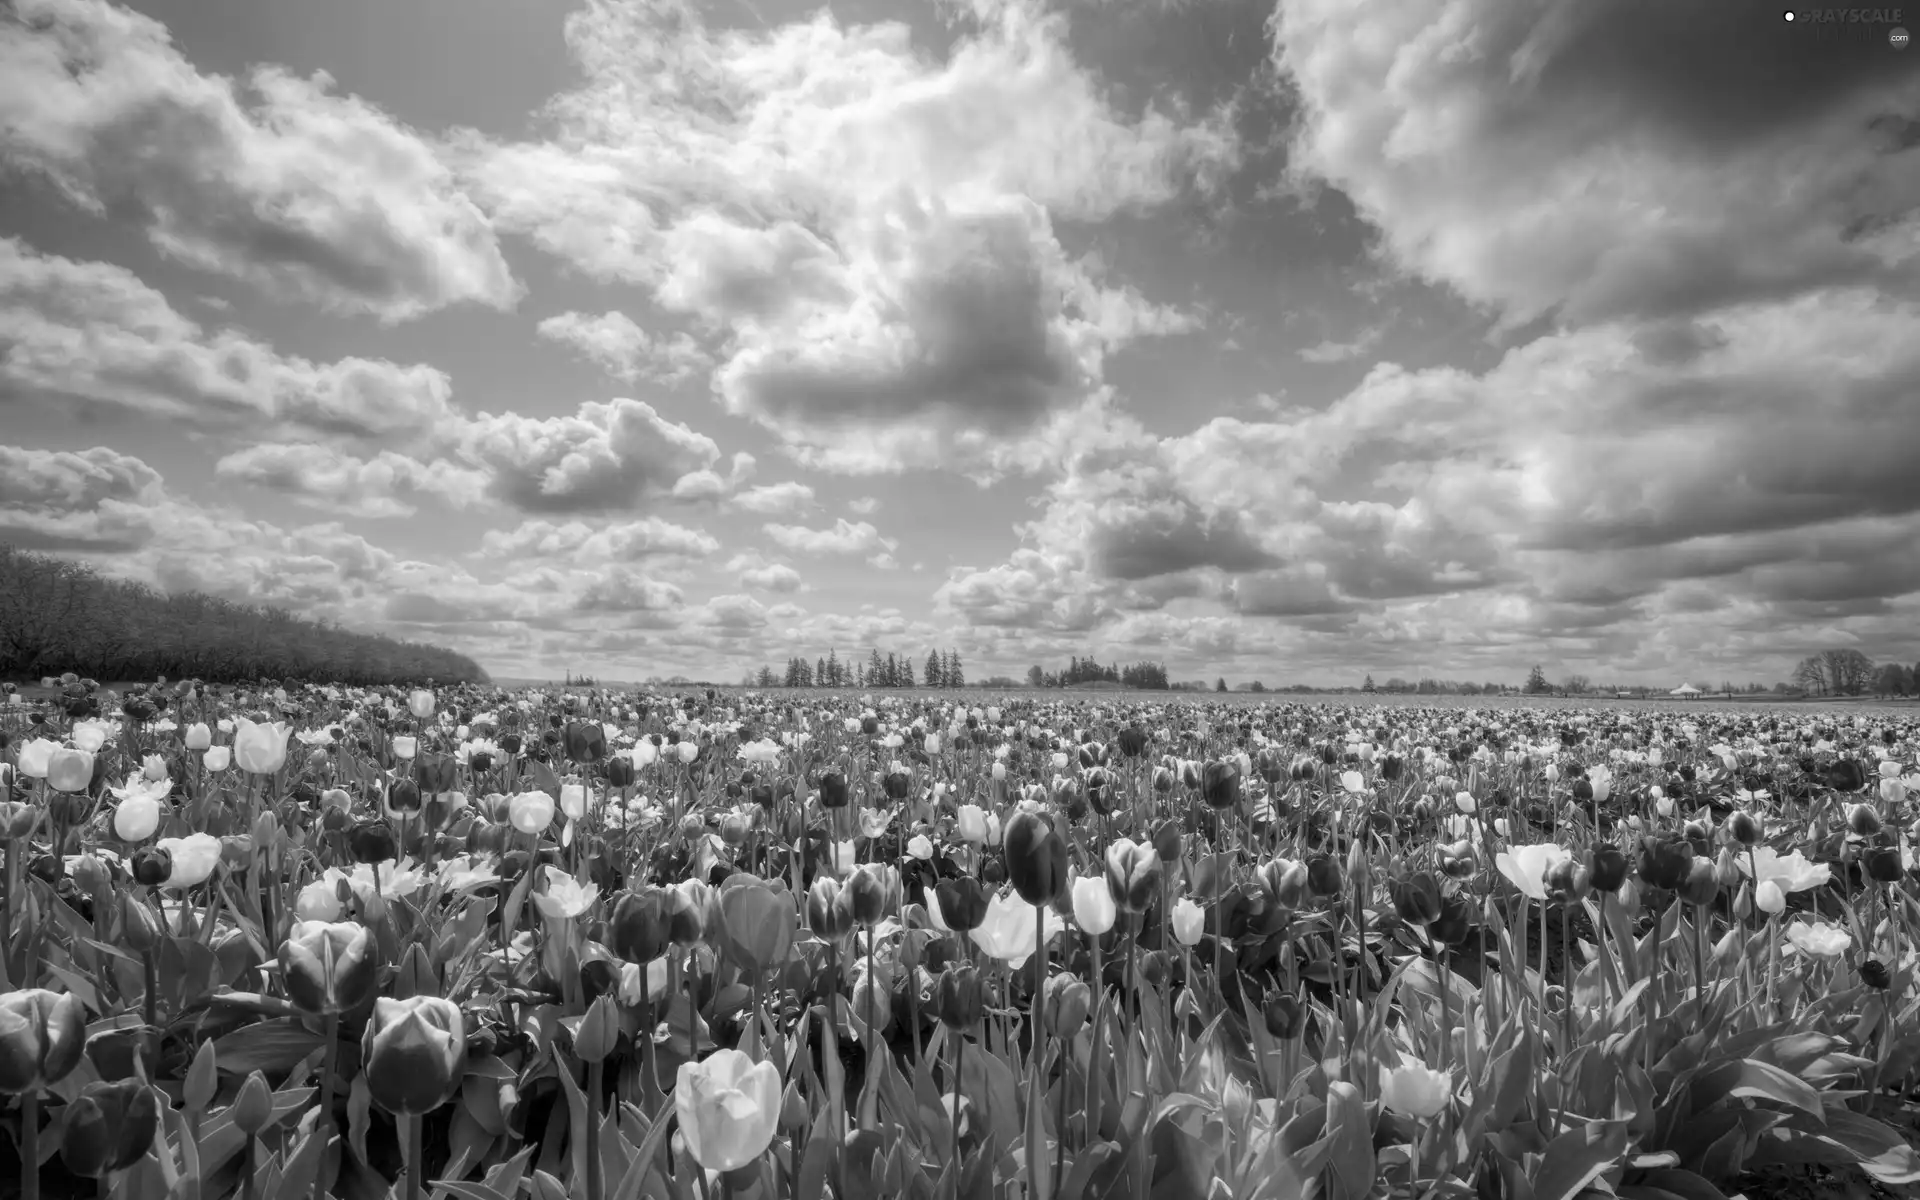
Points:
x=607 y=456
x=871 y=231
x=1585 y=159
x=278 y=181
x=772 y=499
x=846 y=537
x=624 y=541
x=386 y=485
x=618 y=346
x=92 y=333
x=773 y=577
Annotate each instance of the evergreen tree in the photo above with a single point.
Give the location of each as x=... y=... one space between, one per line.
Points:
x=1368 y=685
x=859 y=676
x=1220 y=685
x=876 y=670
x=934 y=676
x=906 y=670
x=833 y=670
x=1537 y=682
x=953 y=675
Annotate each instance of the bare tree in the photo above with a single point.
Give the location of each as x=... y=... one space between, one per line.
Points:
x=1849 y=672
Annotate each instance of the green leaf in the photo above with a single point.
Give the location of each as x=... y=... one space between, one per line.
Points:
x=1683 y=1185
x=203 y=1079
x=273 y=1047
x=1578 y=1157
x=1350 y=1141
x=1755 y=1080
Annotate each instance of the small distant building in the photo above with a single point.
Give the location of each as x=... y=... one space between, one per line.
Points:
x=1685 y=690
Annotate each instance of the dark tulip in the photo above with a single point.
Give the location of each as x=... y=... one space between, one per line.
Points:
x=1220 y=784
x=897 y=784
x=122 y=1053
x=638 y=930
x=1167 y=841
x=1665 y=862
x=1881 y=864
x=1863 y=820
x=993 y=872
x=403 y=799
x=1323 y=876
x=1607 y=867
x=109 y=1127
x=869 y=725
x=1846 y=775
x=960 y=997
x=1702 y=884
x=1742 y=827
x=1390 y=767
x=1417 y=898
x=963 y=903
x=371 y=842
x=1285 y=1016
x=1036 y=857
x=620 y=771
x=833 y=790
x=585 y=741
x=1133 y=741
x=866 y=891
x=152 y=865
x=1155 y=966
x=1455 y=925
x=436 y=773
x=1874 y=974
x=511 y=744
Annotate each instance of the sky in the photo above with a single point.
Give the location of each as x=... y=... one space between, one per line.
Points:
x=1298 y=343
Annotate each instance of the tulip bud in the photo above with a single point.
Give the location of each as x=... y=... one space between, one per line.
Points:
x=252 y=1109
x=833 y=790
x=1742 y=827
x=1068 y=1001
x=599 y=1031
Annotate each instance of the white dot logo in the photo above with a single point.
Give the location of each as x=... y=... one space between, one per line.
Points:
x=1897 y=39
x=1789 y=16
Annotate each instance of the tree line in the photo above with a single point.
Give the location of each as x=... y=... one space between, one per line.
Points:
x=941 y=670
x=1149 y=675
x=58 y=616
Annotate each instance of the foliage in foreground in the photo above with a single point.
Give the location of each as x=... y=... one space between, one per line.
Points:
x=493 y=945
x=58 y=616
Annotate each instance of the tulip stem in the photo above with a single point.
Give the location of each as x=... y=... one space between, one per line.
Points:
x=416 y=1155
x=959 y=1048
x=596 y=1083
x=1036 y=1093
x=1093 y=1096
x=30 y=1145
x=150 y=1002
x=328 y=1066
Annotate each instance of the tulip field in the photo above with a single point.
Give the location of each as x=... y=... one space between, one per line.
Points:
x=598 y=944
